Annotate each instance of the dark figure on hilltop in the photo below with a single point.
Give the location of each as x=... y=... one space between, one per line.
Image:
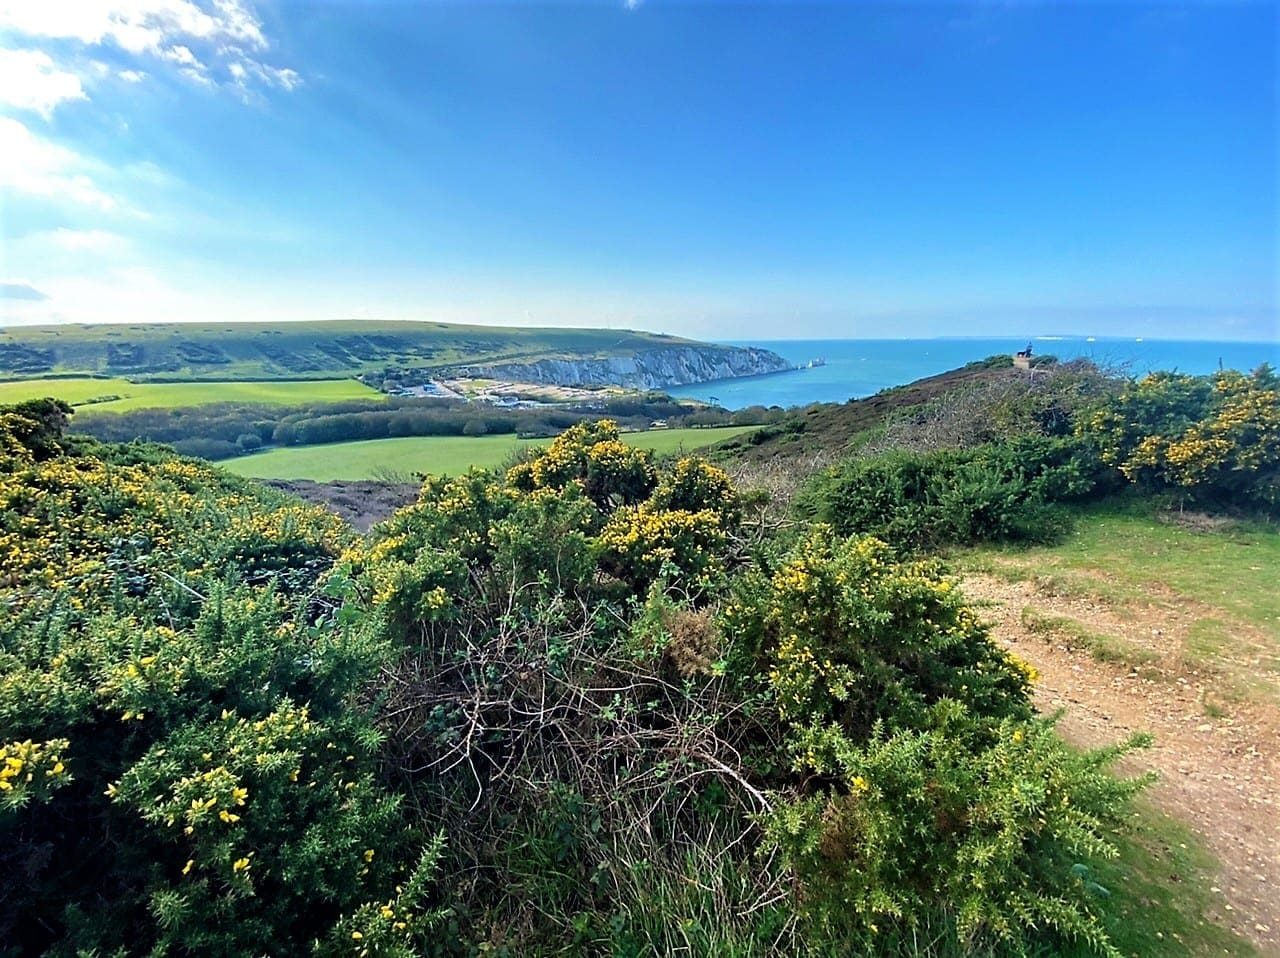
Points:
x=1026 y=353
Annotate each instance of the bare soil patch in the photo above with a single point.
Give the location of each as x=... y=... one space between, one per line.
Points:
x=362 y=503
x=1217 y=753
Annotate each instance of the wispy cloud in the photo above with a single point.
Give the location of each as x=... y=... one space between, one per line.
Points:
x=29 y=80
x=34 y=166
x=136 y=26
x=210 y=42
x=246 y=73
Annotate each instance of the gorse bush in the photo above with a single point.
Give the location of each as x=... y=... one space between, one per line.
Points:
x=571 y=708
x=1214 y=440
x=955 y=823
x=998 y=491
x=589 y=705
x=186 y=765
x=920 y=791
x=558 y=755
x=845 y=633
x=997 y=463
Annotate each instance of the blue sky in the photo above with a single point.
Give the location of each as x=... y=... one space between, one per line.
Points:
x=723 y=170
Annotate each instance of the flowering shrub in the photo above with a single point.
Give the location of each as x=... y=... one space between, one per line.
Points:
x=80 y=531
x=847 y=633
x=520 y=699
x=32 y=431
x=642 y=544
x=229 y=725
x=1215 y=439
x=944 y=825
x=610 y=472
x=30 y=771
x=184 y=763
x=920 y=791
x=694 y=485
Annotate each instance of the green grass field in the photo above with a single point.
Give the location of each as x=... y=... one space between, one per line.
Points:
x=84 y=392
x=434 y=454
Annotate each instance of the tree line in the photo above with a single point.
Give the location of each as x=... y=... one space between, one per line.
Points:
x=224 y=430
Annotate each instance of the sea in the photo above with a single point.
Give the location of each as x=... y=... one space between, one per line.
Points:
x=836 y=370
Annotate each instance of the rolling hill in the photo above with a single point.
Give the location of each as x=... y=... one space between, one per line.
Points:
x=341 y=349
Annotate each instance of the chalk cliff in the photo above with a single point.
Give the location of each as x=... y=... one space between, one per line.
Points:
x=658 y=368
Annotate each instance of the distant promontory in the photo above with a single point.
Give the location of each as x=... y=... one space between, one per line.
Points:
x=369 y=349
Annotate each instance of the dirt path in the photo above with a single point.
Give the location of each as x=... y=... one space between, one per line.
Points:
x=1218 y=764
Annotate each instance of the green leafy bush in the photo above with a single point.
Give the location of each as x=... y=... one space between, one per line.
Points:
x=185 y=763
x=1006 y=491
x=954 y=824
x=846 y=633
x=919 y=790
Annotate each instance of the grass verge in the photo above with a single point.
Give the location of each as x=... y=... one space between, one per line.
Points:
x=1162 y=900
x=1075 y=635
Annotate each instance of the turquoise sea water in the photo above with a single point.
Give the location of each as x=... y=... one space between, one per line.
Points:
x=860 y=367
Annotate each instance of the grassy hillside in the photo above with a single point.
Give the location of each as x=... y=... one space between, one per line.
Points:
x=96 y=394
x=829 y=428
x=321 y=350
x=436 y=455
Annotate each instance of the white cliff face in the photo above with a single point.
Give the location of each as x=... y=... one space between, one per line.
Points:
x=650 y=369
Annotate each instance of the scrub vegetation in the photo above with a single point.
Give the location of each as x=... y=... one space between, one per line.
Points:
x=597 y=703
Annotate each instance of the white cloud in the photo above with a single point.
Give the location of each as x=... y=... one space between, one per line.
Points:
x=246 y=73
x=30 y=81
x=34 y=166
x=182 y=56
x=199 y=37
x=137 y=26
